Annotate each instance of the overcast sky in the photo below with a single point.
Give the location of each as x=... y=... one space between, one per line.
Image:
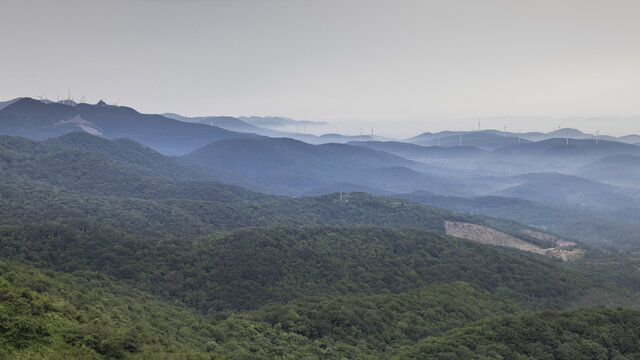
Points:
x=401 y=66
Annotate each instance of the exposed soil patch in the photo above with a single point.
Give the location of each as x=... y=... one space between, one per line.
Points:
x=542 y=236
x=489 y=236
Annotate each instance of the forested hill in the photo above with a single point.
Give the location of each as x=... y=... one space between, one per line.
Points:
x=110 y=250
x=34 y=119
x=248 y=268
x=379 y=294
x=144 y=192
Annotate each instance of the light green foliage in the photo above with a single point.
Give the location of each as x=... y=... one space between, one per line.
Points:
x=596 y=333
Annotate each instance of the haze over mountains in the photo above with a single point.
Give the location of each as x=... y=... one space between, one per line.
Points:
x=138 y=235
x=253 y=153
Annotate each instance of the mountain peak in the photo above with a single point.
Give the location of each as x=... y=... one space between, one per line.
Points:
x=101 y=103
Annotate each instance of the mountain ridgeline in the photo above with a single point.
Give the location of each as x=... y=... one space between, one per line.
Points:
x=36 y=120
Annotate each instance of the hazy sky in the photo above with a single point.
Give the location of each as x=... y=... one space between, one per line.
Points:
x=401 y=66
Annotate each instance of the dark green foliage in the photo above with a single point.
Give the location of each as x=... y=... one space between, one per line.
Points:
x=173 y=204
x=125 y=151
x=597 y=333
x=357 y=327
x=248 y=268
x=221 y=208
x=162 y=263
x=404 y=317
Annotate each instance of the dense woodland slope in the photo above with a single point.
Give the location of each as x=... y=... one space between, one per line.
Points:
x=110 y=250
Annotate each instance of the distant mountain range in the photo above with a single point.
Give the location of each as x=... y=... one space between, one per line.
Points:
x=482 y=139
x=34 y=119
x=565 y=167
x=299 y=167
x=493 y=139
x=272 y=127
